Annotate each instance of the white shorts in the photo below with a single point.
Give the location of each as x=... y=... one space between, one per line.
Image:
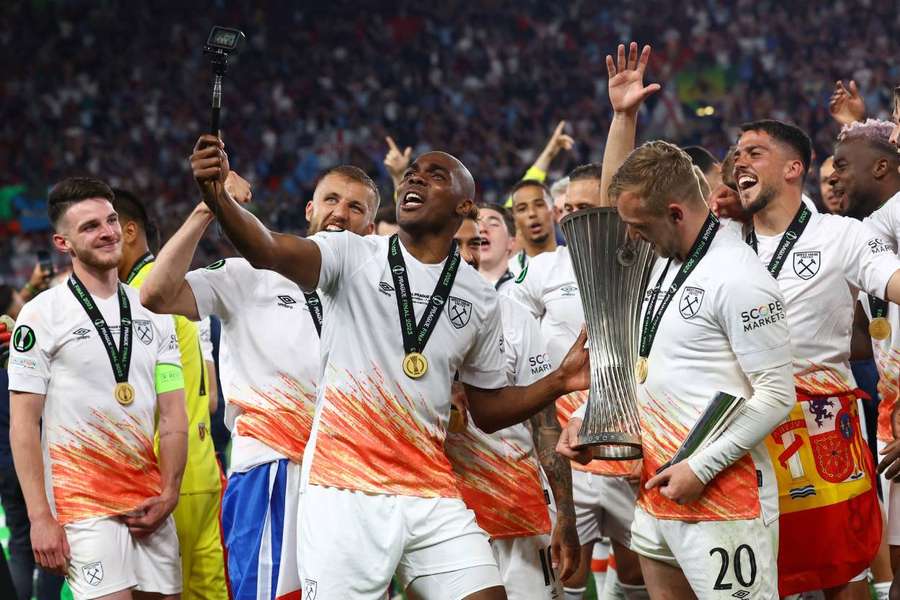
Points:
x=526 y=569
x=720 y=559
x=106 y=559
x=890 y=495
x=351 y=543
x=604 y=507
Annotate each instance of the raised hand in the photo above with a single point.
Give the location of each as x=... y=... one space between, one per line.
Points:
x=395 y=161
x=846 y=105
x=626 y=79
x=559 y=141
x=209 y=164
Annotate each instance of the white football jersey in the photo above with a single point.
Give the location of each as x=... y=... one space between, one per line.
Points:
x=886 y=220
x=550 y=291
x=727 y=319
x=268 y=359
x=833 y=258
x=498 y=473
x=376 y=429
x=98 y=454
x=517 y=263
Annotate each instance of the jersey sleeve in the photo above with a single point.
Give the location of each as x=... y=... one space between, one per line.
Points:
x=533 y=361
x=342 y=254
x=223 y=287
x=886 y=221
x=167 y=350
x=528 y=289
x=204 y=329
x=868 y=261
x=30 y=351
x=751 y=311
x=484 y=366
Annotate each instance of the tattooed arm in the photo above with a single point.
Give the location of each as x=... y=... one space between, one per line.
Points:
x=565 y=547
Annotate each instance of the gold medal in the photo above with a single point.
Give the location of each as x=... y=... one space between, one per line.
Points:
x=415 y=365
x=124 y=393
x=641 y=369
x=880 y=328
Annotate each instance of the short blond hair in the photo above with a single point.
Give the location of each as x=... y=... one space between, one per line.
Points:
x=658 y=172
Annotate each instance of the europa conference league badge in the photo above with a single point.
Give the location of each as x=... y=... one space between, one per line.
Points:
x=641 y=369
x=415 y=337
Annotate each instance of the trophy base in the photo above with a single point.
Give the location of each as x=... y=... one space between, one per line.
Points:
x=612 y=445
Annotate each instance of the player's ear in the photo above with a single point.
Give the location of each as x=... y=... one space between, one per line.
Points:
x=60 y=243
x=129 y=231
x=465 y=209
x=676 y=212
x=309 y=210
x=881 y=168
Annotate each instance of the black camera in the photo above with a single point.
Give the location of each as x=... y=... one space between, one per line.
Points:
x=223 y=40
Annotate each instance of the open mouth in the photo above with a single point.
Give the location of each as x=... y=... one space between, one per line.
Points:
x=333 y=227
x=412 y=200
x=745 y=181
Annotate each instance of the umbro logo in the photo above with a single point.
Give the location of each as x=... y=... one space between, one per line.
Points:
x=286 y=301
x=81 y=333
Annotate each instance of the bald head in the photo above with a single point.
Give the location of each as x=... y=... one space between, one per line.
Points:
x=436 y=192
x=460 y=175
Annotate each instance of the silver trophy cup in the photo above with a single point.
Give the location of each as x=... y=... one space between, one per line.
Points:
x=612 y=273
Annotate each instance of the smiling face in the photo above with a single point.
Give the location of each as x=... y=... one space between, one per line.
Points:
x=533 y=214
x=340 y=203
x=761 y=167
x=496 y=242
x=436 y=190
x=89 y=231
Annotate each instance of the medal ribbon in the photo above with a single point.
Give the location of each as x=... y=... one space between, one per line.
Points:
x=790 y=237
x=140 y=264
x=416 y=336
x=877 y=307
x=120 y=358
x=696 y=253
x=314 y=304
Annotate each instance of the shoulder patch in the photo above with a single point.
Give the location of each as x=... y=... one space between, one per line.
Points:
x=522 y=275
x=216 y=265
x=23 y=338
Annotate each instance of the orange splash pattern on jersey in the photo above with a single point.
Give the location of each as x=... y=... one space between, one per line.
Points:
x=568 y=404
x=502 y=488
x=819 y=380
x=888 y=363
x=731 y=495
x=105 y=468
x=371 y=439
x=279 y=417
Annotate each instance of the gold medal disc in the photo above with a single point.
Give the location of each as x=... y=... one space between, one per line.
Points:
x=880 y=328
x=124 y=393
x=415 y=365
x=641 y=369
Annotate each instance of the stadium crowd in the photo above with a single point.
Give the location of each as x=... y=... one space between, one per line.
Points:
x=452 y=470
x=320 y=85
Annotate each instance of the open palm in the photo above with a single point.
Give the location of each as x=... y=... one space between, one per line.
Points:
x=626 y=79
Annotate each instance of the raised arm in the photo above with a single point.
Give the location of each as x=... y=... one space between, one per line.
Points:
x=396 y=161
x=626 y=94
x=48 y=538
x=493 y=410
x=846 y=105
x=293 y=257
x=558 y=142
x=165 y=290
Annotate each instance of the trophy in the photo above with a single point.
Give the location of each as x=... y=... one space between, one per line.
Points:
x=612 y=273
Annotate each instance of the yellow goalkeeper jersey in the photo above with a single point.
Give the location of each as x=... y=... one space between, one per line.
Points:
x=201 y=472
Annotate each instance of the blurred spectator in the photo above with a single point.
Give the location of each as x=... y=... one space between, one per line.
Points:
x=85 y=90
